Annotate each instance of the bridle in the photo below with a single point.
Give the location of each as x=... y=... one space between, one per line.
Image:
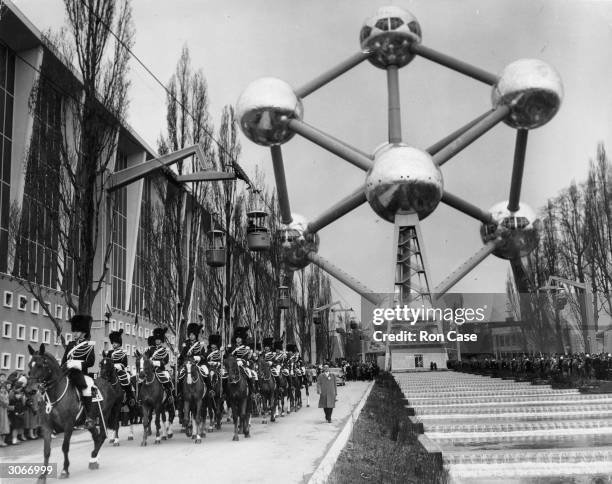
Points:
x=110 y=372
x=45 y=385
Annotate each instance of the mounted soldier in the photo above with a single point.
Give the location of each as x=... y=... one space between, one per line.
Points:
x=213 y=356
x=160 y=357
x=78 y=357
x=120 y=360
x=268 y=352
x=192 y=349
x=243 y=353
x=279 y=358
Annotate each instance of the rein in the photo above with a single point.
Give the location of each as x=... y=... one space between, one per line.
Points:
x=49 y=404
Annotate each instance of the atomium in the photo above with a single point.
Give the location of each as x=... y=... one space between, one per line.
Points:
x=518 y=230
x=403 y=180
x=388 y=34
x=532 y=89
x=263 y=108
x=296 y=243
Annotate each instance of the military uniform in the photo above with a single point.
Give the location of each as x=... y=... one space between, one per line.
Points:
x=78 y=357
x=192 y=349
x=120 y=360
x=243 y=353
x=160 y=357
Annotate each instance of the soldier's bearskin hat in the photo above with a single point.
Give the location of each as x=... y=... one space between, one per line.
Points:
x=151 y=340
x=278 y=345
x=215 y=339
x=160 y=333
x=291 y=347
x=82 y=323
x=268 y=342
x=194 y=328
x=115 y=337
x=241 y=332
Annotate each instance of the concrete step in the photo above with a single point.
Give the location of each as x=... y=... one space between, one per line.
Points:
x=514 y=426
x=518 y=398
x=506 y=407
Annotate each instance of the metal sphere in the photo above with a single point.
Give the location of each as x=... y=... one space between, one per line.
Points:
x=296 y=244
x=262 y=108
x=403 y=180
x=533 y=90
x=388 y=34
x=519 y=230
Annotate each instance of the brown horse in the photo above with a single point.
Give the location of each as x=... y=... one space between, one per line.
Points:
x=109 y=373
x=267 y=388
x=63 y=409
x=194 y=391
x=239 y=396
x=151 y=396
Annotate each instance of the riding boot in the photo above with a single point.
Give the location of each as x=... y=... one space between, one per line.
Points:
x=87 y=403
x=130 y=398
x=168 y=388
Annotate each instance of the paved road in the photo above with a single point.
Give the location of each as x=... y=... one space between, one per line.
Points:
x=287 y=451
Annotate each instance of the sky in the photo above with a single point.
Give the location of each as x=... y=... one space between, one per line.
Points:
x=237 y=41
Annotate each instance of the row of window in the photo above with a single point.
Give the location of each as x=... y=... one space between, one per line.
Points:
x=510 y=339
x=5 y=362
x=22 y=305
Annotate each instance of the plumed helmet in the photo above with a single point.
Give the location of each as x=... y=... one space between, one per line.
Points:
x=268 y=342
x=194 y=328
x=278 y=345
x=115 y=337
x=159 y=333
x=82 y=323
x=241 y=332
x=291 y=347
x=215 y=339
x=151 y=340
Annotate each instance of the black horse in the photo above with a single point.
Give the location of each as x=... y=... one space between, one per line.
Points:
x=109 y=373
x=194 y=390
x=267 y=388
x=61 y=408
x=238 y=395
x=215 y=397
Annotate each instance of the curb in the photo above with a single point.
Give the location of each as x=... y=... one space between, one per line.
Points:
x=322 y=472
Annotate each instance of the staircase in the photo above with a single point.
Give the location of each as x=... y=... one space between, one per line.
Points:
x=497 y=431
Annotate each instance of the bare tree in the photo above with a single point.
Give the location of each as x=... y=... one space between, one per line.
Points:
x=60 y=234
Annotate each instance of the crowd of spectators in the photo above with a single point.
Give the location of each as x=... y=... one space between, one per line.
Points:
x=19 y=416
x=577 y=365
x=355 y=371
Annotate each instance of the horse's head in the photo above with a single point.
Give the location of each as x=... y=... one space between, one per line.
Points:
x=107 y=368
x=43 y=369
x=144 y=366
x=232 y=368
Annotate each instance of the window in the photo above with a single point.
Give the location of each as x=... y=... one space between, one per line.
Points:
x=56 y=339
x=68 y=337
x=127 y=328
x=20 y=362
x=133 y=330
x=121 y=324
x=147 y=333
x=68 y=313
x=418 y=361
x=127 y=350
x=34 y=306
x=46 y=311
x=34 y=334
x=23 y=303
x=133 y=369
x=46 y=338
x=21 y=332
x=8 y=299
x=6 y=361
x=113 y=325
x=7 y=329
x=140 y=332
x=58 y=311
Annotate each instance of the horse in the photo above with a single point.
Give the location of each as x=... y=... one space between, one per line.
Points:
x=215 y=398
x=267 y=388
x=194 y=391
x=296 y=386
x=282 y=389
x=109 y=373
x=238 y=395
x=63 y=409
x=151 y=395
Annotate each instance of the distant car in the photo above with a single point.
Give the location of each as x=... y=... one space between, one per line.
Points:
x=340 y=378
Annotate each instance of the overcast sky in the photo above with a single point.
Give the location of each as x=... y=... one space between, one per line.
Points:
x=235 y=42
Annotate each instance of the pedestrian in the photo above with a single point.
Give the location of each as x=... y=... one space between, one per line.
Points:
x=326 y=388
x=5 y=426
